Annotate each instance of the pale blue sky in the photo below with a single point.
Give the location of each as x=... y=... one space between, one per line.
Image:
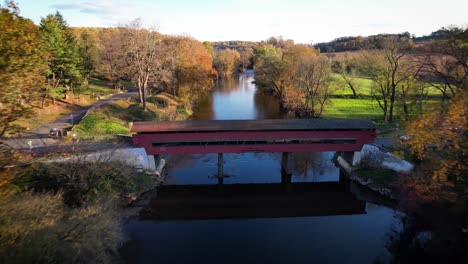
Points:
x=301 y=20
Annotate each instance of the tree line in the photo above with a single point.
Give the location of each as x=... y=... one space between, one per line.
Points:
x=358 y=43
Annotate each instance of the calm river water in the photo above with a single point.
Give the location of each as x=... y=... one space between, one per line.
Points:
x=255 y=218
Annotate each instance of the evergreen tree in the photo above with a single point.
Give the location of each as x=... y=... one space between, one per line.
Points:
x=65 y=70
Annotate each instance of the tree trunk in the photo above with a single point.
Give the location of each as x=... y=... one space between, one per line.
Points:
x=392 y=100
x=5 y=127
x=405 y=110
x=321 y=108
x=354 y=91
x=140 y=91
x=385 y=111
x=43 y=101
x=312 y=108
x=143 y=98
x=351 y=86
x=390 y=114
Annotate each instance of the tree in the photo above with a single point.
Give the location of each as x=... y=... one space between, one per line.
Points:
x=446 y=65
x=345 y=68
x=279 y=42
x=290 y=75
x=88 y=51
x=111 y=58
x=194 y=70
x=311 y=78
x=388 y=70
x=21 y=66
x=246 y=55
x=272 y=72
x=64 y=69
x=410 y=94
x=226 y=62
x=144 y=56
x=446 y=130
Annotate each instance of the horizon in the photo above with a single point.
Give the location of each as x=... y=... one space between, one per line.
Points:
x=257 y=20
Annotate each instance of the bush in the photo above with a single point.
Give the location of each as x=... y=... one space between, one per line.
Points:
x=38 y=228
x=65 y=212
x=379 y=176
x=82 y=179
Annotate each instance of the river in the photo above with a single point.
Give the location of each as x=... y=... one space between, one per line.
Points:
x=319 y=218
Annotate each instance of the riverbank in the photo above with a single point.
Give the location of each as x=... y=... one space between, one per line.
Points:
x=387 y=189
x=375 y=168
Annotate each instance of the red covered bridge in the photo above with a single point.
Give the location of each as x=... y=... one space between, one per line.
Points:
x=236 y=136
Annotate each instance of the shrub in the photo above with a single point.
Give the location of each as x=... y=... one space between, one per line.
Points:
x=66 y=212
x=379 y=176
x=38 y=228
x=83 y=179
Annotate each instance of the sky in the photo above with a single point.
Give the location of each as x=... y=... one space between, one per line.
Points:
x=304 y=21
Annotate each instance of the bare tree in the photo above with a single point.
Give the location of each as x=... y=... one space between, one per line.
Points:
x=311 y=78
x=344 y=68
x=388 y=70
x=445 y=67
x=144 y=50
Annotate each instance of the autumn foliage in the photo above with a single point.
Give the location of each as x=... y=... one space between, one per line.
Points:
x=440 y=136
x=22 y=66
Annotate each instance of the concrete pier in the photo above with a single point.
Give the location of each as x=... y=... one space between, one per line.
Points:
x=220 y=169
x=286 y=175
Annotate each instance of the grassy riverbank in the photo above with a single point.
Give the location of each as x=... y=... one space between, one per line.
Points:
x=117 y=117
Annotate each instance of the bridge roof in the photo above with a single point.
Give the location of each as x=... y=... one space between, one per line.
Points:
x=252 y=125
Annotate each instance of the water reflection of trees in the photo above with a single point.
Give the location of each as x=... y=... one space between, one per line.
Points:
x=204 y=109
x=228 y=85
x=266 y=106
x=313 y=164
x=429 y=235
x=183 y=161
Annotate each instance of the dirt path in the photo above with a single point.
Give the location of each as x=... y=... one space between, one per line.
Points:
x=38 y=138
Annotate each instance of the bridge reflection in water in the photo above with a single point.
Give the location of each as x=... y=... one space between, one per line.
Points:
x=239 y=201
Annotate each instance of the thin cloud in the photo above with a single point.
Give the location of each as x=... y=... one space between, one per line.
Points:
x=88 y=7
x=110 y=12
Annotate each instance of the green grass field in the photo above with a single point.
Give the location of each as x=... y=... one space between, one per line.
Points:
x=363 y=87
x=353 y=108
x=340 y=88
x=342 y=105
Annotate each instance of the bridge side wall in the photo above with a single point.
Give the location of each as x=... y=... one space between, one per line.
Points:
x=147 y=140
